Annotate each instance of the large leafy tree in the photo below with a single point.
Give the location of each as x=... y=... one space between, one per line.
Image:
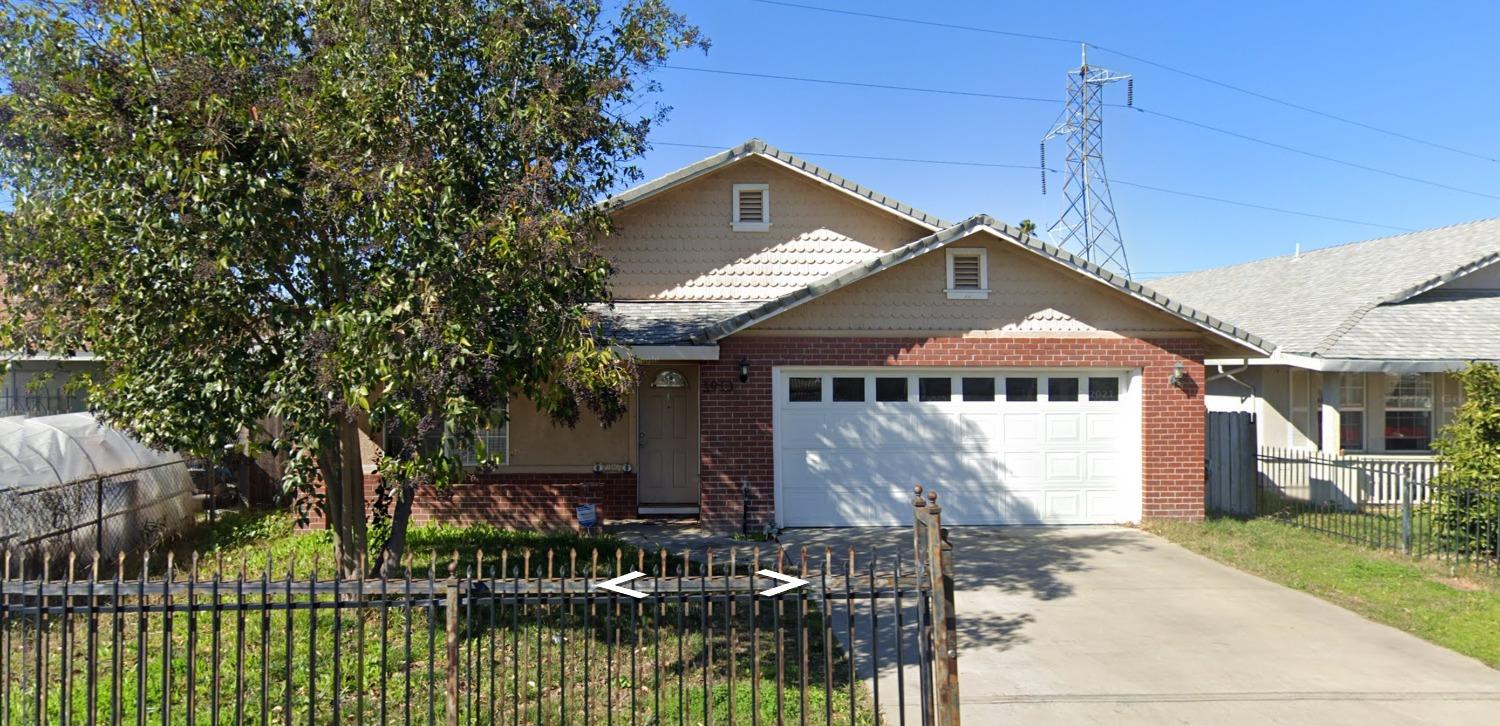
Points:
x=338 y=214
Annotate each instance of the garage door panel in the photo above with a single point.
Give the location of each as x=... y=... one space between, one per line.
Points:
x=1064 y=429
x=907 y=468
x=866 y=428
x=1064 y=466
x=995 y=462
x=1103 y=427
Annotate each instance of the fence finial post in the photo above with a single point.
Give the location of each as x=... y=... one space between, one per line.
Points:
x=1405 y=483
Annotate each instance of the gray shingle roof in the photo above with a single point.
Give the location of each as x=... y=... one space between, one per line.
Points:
x=662 y=323
x=1440 y=325
x=1309 y=303
x=754 y=147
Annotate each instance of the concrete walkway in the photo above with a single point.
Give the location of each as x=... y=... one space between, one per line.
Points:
x=1111 y=625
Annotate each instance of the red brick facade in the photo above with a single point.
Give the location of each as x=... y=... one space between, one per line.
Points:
x=519 y=500
x=736 y=417
x=737 y=446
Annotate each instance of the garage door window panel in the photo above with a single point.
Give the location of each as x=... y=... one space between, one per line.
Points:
x=891 y=390
x=935 y=390
x=979 y=389
x=1062 y=389
x=802 y=389
x=1020 y=389
x=1104 y=389
x=848 y=390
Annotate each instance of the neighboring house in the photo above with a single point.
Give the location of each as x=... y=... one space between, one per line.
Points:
x=1366 y=337
x=810 y=350
x=36 y=385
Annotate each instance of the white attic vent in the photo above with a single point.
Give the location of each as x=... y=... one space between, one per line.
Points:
x=968 y=276
x=752 y=208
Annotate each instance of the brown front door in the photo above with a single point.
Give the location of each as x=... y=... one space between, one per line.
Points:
x=669 y=435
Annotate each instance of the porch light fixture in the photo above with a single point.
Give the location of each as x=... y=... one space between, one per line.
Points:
x=744 y=370
x=1179 y=377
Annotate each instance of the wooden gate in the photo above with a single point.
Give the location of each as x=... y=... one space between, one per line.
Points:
x=1231 y=472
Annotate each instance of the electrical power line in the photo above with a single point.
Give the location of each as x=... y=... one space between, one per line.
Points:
x=1032 y=168
x=1150 y=112
x=1169 y=68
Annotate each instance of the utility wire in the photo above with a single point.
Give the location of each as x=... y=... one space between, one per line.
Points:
x=1032 y=167
x=1139 y=59
x=1137 y=108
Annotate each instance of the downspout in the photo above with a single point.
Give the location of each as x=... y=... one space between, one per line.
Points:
x=1229 y=375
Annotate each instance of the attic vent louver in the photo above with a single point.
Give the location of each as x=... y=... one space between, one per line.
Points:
x=967 y=277
x=752 y=208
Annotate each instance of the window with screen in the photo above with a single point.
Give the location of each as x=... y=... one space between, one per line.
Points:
x=1408 y=412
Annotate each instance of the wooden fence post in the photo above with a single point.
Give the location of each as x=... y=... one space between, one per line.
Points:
x=937 y=552
x=451 y=712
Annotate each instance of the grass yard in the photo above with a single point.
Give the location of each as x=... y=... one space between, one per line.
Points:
x=1424 y=598
x=661 y=659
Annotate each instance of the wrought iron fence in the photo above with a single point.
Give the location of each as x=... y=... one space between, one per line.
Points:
x=45 y=403
x=1399 y=505
x=511 y=638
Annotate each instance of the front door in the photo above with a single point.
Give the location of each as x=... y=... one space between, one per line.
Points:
x=669 y=435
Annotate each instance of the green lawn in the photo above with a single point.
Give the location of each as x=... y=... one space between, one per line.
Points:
x=1453 y=609
x=536 y=662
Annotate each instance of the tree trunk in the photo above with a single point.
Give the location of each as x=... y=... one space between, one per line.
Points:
x=388 y=562
x=350 y=531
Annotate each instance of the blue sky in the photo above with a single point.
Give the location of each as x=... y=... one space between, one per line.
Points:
x=1421 y=69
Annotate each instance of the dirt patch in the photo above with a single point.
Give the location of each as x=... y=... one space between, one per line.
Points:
x=1462 y=583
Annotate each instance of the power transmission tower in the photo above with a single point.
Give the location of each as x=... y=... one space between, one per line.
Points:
x=1087 y=227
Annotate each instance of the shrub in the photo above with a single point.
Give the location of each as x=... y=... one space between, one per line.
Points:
x=1468 y=493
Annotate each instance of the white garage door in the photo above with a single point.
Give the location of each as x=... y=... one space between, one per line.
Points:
x=1002 y=447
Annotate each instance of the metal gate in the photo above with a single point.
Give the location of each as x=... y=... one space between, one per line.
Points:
x=503 y=638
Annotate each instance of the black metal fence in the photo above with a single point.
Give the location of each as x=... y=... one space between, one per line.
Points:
x=511 y=638
x=1388 y=504
x=41 y=403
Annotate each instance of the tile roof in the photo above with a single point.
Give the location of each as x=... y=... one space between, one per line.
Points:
x=775 y=271
x=1440 y=325
x=758 y=147
x=940 y=239
x=1309 y=303
x=662 y=323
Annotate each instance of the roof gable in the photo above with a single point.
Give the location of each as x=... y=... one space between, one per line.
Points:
x=1004 y=232
x=758 y=148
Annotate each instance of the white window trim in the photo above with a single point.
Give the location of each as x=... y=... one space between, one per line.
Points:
x=1345 y=405
x=983 y=293
x=765 y=200
x=1431 y=410
x=463 y=455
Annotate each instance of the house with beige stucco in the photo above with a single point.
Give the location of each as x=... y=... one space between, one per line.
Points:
x=809 y=350
x=1365 y=337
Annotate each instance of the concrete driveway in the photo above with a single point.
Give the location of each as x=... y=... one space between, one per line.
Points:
x=1112 y=625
